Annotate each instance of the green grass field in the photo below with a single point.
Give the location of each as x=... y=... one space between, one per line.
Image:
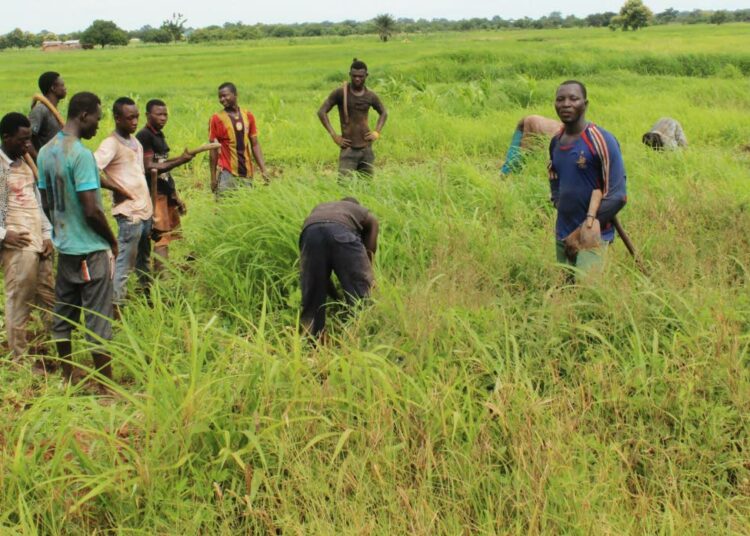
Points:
x=477 y=394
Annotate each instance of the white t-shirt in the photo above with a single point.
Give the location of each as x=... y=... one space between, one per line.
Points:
x=122 y=161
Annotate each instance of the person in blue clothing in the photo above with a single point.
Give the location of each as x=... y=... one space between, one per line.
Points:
x=587 y=182
x=71 y=196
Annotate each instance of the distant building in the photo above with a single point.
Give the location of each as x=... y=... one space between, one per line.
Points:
x=53 y=46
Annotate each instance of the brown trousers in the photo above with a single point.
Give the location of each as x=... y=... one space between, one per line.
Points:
x=29 y=282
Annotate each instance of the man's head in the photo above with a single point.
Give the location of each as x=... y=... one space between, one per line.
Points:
x=52 y=84
x=571 y=101
x=15 y=131
x=228 y=95
x=653 y=140
x=126 y=115
x=85 y=110
x=156 y=114
x=358 y=74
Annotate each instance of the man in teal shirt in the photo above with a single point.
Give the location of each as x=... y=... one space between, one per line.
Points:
x=71 y=196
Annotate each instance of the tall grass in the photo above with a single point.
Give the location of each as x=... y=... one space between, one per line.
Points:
x=477 y=393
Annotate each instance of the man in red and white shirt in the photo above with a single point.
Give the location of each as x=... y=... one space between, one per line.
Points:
x=235 y=128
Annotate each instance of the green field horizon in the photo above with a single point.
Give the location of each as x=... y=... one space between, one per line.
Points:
x=478 y=392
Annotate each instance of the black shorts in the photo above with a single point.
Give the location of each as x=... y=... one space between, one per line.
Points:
x=83 y=287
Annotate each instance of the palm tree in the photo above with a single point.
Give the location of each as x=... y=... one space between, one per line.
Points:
x=385 y=25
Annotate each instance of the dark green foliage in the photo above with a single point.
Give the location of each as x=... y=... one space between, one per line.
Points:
x=102 y=33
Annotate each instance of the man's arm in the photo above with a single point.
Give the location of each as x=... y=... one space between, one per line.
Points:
x=103 y=156
x=370 y=235
x=167 y=165
x=35 y=118
x=96 y=219
x=258 y=154
x=120 y=193
x=326 y=107
x=374 y=135
x=554 y=181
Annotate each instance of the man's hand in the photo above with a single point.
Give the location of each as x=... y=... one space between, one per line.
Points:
x=114 y=250
x=181 y=207
x=120 y=195
x=591 y=233
x=214 y=184
x=373 y=135
x=17 y=239
x=47 y=248
x=341 y=141
x=187 y=156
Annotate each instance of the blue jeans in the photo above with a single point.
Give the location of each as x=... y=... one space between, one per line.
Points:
x=134 y=251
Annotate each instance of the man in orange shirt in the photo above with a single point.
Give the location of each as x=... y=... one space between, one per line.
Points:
x=237 y=132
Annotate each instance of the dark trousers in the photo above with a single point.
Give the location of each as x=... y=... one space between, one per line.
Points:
x=360 y=159
x=326 y=248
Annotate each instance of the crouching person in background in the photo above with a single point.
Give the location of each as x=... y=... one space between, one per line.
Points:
x=71 y=194
x=666 y=133
x=339 y=237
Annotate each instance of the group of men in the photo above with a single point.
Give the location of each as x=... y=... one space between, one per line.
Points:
x=57 y=201
x=50 y=199
x=50 y=194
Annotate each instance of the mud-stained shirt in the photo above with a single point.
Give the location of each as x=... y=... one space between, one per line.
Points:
x=671 y=133
x=44 y=125
x=347 y=213
x=354 y=123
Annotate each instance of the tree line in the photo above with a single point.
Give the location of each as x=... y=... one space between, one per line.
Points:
x=633 y=15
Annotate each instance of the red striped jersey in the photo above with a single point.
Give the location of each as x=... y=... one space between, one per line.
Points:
x=234 y=133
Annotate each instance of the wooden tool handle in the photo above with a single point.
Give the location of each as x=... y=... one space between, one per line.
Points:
x=204 y=147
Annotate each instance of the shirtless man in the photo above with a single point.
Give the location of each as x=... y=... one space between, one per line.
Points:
x=354 y=101
x=529 y=130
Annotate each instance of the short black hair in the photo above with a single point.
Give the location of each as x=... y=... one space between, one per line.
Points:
x=83 y=102
x=653 y=140
x=154 y=103
x=47 y=80
x=10 y=123
x=358 y=64
x=230 y=86
x=119 y=103
x=577 y=83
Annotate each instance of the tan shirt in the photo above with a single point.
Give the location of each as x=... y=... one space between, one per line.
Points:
x=23 y=206
x=122 y=161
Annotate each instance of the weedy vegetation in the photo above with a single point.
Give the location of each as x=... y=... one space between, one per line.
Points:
x=477 y=393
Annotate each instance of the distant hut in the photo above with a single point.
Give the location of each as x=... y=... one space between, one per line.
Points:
x=55 y=46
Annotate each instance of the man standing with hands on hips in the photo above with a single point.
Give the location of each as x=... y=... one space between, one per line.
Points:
x=354 y=101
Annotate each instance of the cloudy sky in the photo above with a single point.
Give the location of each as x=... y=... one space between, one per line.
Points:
x=69 y=15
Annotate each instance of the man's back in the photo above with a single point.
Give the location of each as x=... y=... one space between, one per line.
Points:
x=66 y=167
x=44 y=125
x=346 y=213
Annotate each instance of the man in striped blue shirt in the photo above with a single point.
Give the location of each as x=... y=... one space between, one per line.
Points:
x=587 y=182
